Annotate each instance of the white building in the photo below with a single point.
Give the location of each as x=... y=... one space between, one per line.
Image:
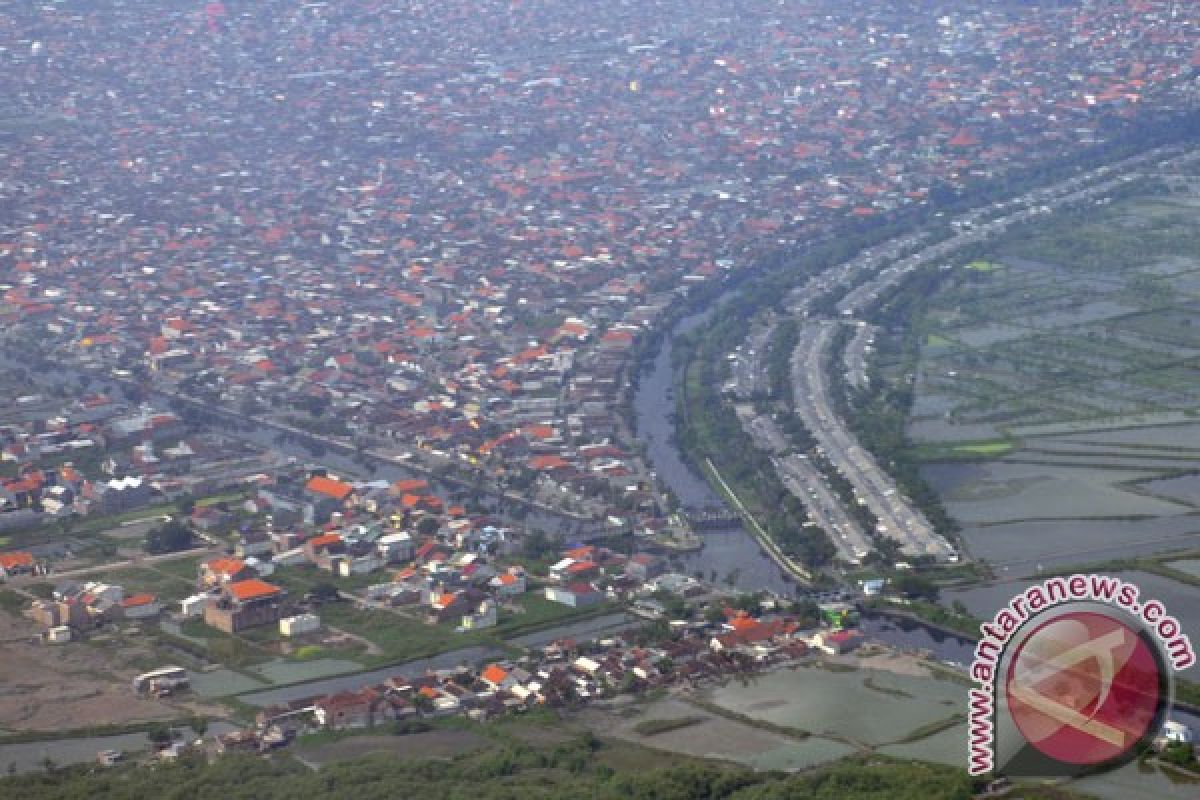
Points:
x=299 y=624
x=60 y=634
x=193 y=606
x=395 y=547
x=1177 y=732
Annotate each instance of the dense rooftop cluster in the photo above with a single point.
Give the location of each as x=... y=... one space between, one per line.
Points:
x=447 y=224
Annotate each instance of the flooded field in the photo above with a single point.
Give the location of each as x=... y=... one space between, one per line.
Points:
x=1134 y=780
x=1017 y=548
x=1191 y=566
x=1079 y=353
x=1002 y=491
x=1181 y=601
x=714 y=736
x=887 y=708
x=947 y=747
x=1184 y=489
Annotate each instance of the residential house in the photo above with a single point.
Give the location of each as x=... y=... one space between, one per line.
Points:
x=245 y=604
x=395 y=548
x=644 y=567
x=347 y=709
x=576 y=595
x=837 y=642
x=140 y=606
x=15 y=563
x=326 y=496
x=510 y=583
x=222 y=570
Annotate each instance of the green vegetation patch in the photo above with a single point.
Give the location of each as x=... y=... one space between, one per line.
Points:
x=983 y=266
x=309 y=652
x=166 y=586
x=579 y=767
x=11 y=602
x=992 y=449
x=401 y=638
x=984 y=449
x=938 y=340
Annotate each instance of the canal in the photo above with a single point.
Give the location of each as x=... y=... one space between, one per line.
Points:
x=729 y=555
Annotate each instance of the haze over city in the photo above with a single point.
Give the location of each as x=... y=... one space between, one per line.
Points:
x=624 y=399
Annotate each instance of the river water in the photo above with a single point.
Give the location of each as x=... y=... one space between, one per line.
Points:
x=729 y=555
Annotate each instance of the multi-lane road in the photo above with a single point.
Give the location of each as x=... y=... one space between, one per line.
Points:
x=898 y=519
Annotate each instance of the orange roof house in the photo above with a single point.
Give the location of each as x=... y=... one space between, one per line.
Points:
x=494 y=675
x=329 y=487
x=544 y=463
x=138 y=600
x=324 y=541
x=223 y=568
x=253 y=589
x=16 y=562
x=583 y=553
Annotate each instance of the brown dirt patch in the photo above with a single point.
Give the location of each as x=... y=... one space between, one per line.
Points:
x=61 y=687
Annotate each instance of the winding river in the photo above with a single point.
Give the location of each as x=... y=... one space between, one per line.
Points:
x=729 y=555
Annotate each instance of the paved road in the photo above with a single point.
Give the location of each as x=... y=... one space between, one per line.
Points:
x=99 y=569
x=898 y=519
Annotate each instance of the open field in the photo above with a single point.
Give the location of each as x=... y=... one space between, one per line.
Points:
x=53 y=688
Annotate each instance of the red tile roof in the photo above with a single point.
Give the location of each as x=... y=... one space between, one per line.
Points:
x=12 y=560
x=225 y=566
x=324 y=540
x=494 y=674
x=253 y=589
x=329 y=487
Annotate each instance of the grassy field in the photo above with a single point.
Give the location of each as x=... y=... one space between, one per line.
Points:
x=400 y=638
x=11 y=602
x=541 y=613
x=969 y=451
x=301 y=578
x=938 y=340
x=985 y=448
x=167 y=586
x=983 y=266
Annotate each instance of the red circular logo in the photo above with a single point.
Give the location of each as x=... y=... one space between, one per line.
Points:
x=1084 y=688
